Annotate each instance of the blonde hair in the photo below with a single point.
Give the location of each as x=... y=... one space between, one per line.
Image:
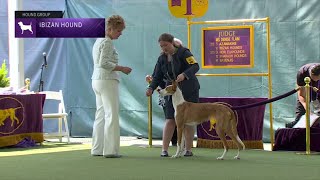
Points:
x=116 y=22
x=177 y=42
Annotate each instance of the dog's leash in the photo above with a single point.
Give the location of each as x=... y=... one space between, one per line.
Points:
x=173 y=72
x=266 y=101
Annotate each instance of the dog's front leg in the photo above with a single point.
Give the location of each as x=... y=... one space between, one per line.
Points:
x=180 y=143
x=179 y=148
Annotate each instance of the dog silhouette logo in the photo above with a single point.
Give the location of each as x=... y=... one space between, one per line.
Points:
x=11 y=115
x=25 y=27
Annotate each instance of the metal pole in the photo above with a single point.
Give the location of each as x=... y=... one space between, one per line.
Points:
x=149 y=115
x=235 y=74
x=189 y=32
x=307 y=90
x=150 y=120
x=269 y=81
x=230 y=21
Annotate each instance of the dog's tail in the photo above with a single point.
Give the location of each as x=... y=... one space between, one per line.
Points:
x=234 y=128
x=17 y=108
x=240 y=141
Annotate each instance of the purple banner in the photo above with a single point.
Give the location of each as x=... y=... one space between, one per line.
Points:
x=20 y=118
x=12 y=113
x=228 y=46
x=59 y=27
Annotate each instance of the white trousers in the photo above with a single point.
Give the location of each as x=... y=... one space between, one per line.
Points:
x=106 y=129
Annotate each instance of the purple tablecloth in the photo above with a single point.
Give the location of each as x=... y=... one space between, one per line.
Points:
x=21 y=118
x=250 y=124
x=294 y=139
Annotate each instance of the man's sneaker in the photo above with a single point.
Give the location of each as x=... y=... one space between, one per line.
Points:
x=291 y=124
x=164 y=154
x=188 y=154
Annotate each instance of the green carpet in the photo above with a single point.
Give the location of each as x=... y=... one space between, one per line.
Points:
x=46 y=147
x=73 y=161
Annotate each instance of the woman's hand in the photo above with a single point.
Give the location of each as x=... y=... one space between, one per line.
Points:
x=149 y=92
x=180 y=77
x=148 y=78
x=126 y=70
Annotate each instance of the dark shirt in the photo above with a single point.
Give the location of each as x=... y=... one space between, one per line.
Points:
x=304 y=72
x=162 y=84
x=182 y=62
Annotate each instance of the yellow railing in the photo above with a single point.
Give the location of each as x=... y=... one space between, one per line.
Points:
x=150 y=120
x=268 y=73
x=307 y=90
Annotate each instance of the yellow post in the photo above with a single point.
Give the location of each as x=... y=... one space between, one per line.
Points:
x=189 y=32
x=149 y=117
x=307 y=90
x=269 y=81
x=150 y=120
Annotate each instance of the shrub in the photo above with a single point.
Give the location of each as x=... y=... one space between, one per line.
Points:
x=4 y=80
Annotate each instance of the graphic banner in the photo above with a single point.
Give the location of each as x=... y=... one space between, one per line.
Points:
x=59 y=27
x=39 y=14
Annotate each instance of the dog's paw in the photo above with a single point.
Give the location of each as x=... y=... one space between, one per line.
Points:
x=178 y=155
x=236 y=157
x=220 y=158
x=175 y=156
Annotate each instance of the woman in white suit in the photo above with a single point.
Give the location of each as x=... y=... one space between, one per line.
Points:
x=105 y=84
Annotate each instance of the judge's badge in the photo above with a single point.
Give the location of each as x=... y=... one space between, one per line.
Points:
x=191 y=60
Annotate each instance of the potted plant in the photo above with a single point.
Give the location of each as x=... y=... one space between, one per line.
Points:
x=4 y=80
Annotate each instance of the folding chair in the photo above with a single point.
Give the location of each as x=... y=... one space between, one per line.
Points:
x=61 y=116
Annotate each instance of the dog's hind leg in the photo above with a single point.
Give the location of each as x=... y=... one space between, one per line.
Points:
x=233 y=134
x=240 y=146
x=238 y=142
x=222 y=136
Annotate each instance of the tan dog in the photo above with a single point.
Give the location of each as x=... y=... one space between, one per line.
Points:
x=187 y=113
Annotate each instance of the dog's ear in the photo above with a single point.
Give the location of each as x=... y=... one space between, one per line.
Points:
x=174 y=85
